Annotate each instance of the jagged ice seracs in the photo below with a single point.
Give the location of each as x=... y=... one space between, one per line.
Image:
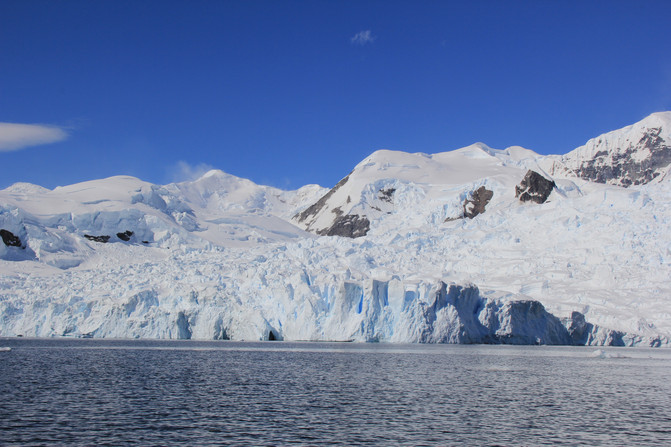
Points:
x=475 y=245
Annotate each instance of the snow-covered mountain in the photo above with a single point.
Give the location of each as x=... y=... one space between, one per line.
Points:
x=391 y=190
x=64 y=227
x=633 y=155
x=472 y=245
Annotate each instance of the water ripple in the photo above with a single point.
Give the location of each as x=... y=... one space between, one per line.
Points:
x=90 y=392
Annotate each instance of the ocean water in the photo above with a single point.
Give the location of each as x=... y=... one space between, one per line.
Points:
x=59 y=392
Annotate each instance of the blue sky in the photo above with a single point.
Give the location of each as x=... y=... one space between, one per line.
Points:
x=288 y=93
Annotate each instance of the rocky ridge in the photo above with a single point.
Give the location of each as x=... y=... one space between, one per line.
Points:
x=634 y=155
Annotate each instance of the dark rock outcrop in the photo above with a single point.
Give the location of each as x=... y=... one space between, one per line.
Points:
x=387 y=195
x=103 y=239
x=348 y=225
x=125 y=236
x=316 y=207
x=477 y=202
x=627 y=167
x=10 y=239
x=474 y=204
x=534 y=188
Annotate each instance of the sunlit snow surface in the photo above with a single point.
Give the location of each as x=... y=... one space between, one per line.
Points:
x=222 y=257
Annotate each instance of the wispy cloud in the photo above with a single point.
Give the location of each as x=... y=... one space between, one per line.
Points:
x=183 y=171
x=14 y=137
x=363 y=37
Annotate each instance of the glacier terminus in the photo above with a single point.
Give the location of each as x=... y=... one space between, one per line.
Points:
x=474 y=245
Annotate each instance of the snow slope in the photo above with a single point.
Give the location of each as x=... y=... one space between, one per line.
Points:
x=218 y=209
x=393 y=190
x=633 y=155
x=440 y=249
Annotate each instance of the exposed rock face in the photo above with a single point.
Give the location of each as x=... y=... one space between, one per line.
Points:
x=10 y=239
x=346 y=225
x=102 y=239
x=476 y=203
x=125 y=236
x=637 y=164
x=315 y=208
x=349 y=225
x=634 y=155
x=387 y=195
x=534 y=187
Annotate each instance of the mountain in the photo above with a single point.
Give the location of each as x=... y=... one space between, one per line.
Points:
x=476 y=245
x=218 y=209
x=391 y=189
x=633 y=155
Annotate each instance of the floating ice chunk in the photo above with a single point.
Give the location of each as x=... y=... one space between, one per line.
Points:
x=602 y=354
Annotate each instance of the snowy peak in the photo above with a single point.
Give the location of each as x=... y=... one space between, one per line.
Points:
x=391 y=189
x=633 y=155
x=657 y=119
x=218 y=191
x=25 y=188
x=67 y=225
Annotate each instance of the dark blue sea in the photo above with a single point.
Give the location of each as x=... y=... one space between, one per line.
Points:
x=65 y=392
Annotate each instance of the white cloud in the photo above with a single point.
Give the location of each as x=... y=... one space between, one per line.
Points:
x=183 y=171
x=14 y=137
x=363 y=37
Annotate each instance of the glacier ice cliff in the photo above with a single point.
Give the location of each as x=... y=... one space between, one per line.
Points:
x=545 y=255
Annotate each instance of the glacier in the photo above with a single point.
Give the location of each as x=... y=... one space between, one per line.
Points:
x=393 y=253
